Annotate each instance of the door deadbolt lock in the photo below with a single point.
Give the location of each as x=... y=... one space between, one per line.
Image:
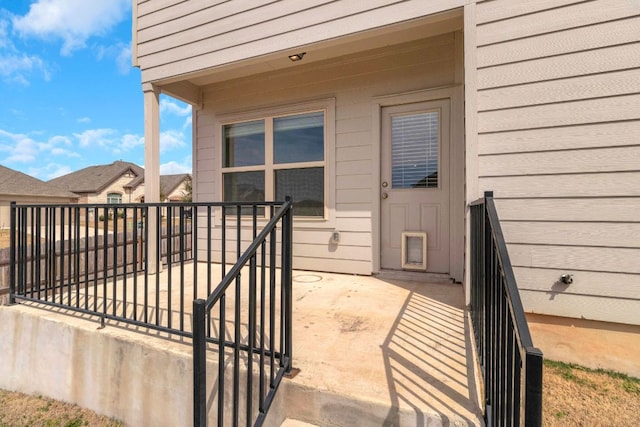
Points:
x=385 y=184
x=385 y=195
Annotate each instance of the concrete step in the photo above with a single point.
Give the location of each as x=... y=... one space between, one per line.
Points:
x=296 y=423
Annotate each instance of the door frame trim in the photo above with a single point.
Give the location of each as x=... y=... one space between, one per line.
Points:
x=454 y=94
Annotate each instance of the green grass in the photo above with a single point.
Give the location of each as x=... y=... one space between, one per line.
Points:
x=566 y=370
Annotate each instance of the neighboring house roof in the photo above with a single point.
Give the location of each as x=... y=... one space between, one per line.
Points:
x=17 y=183
x=169 y=183
x=94 y=179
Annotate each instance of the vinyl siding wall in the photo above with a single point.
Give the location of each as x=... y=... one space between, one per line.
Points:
x=559 y=144
x=177 y=37
x=353 y=83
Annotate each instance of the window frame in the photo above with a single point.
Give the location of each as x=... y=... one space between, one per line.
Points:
x=268 y=114
x=112 y=193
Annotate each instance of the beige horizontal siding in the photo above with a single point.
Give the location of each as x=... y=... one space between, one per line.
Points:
x=609 y=58
x=169 y=11
x=626 y=107
x=621 y=209
x=589 y=307
x=567 y=161
x=558 y=124
x=592 y=135
x=561 y=42
x=567 y=89
x=620 y=184
x=556 y=19
x=586 y=282
x=352 y=82
x=497 y=10
x=569 y=258
x=602 y=234
x=182 y=44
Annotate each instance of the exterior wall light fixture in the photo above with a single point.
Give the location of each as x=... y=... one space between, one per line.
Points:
x=297 y=56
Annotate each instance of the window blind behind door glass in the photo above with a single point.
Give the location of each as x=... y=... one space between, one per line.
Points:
x=414 y=150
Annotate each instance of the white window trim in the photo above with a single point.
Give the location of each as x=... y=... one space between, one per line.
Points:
x=327 y=105
x=111 y=193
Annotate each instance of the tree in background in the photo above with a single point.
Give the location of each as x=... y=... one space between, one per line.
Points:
x=187 y=195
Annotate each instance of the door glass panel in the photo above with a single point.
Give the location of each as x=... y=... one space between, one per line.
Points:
x=305 y=186
x=298 y=138
x=243 y=144
x=414 y=150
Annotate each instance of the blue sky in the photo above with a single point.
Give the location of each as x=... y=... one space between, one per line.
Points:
x=69 y=97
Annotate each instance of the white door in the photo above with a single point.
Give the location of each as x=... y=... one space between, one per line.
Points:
x=414 y=187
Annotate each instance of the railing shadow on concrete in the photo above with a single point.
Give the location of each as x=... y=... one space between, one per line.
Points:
x=428 y=362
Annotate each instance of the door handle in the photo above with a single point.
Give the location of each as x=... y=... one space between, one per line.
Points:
x=385 y=195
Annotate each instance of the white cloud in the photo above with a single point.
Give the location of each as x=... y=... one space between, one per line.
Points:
x=130 y=141
x=84 y=120
x=14 y=67
x=73 y=21
x=123 y=60
x=97 y=137
x=50 y=171
x=188 y=122
x=171 y=139
x=170 y=107
x=120 y=53
x=173 y=167
x=21 y=148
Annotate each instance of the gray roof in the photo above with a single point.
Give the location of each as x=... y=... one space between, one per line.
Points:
x=169 y=183
x=20 y=184
x=94 y=179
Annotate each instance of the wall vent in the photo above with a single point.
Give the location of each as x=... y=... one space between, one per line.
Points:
x=414 y=250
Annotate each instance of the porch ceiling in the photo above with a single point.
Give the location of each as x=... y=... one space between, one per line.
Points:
x=186 y=87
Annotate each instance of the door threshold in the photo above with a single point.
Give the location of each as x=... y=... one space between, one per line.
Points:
x=415 y=276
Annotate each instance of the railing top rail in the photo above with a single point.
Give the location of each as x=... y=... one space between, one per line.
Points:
x=143 y=205
x=522 y=328
x=242 y=261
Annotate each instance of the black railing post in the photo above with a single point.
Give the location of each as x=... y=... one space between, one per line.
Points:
x=199 y=364
x=287 y=242
x=12 y=255
x=533 y=388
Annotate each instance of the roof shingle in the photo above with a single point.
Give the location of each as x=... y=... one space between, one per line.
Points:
x=17 y=183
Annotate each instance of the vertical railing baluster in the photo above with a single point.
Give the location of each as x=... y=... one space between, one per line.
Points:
x=96 y=257
x=12 y=253
x=287 y=230
x=209 y=278
x=169 y=268
x=272 y=305
x=38 y=260
x=158 y=251
x=76 y=212
x=134 y=261
x=222 y=337
x=262 y=321
x=181 y=256
x=125 y=247
x=199 y=364
x=252 y=335
x=105 y=260
x=86 y=258
x=115 y=262
x=533 y=387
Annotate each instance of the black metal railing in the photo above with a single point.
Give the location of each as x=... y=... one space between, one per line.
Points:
x=101 y=259
x=511 y=366
x=265 y=306
x=105 y=260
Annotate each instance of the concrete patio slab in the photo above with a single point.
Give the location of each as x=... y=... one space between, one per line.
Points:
x=390 y=350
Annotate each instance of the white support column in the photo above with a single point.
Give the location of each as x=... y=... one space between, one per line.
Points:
x=152 y=169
